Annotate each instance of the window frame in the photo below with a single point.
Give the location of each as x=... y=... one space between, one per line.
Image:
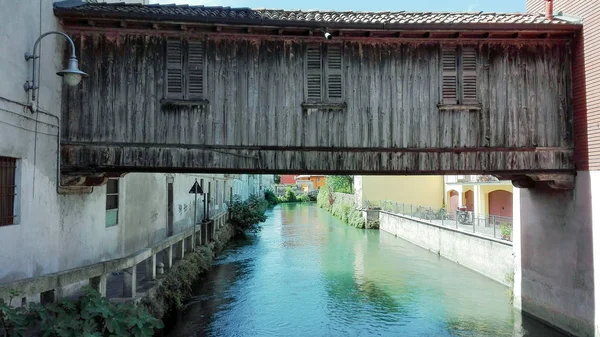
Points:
x=186 y=64
x=117 y=194
x=325 y=73
x=461 y=80
x=14 y=213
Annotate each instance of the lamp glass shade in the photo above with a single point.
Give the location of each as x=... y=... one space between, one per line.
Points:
x=72 y=75
x=72 y=79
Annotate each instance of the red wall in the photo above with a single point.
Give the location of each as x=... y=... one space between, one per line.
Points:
x=288 y=179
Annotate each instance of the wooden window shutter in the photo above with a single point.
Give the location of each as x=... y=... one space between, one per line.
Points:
x=469 y=75
x=314 y=73
x=195 y=86
x=449 y=75
x=174 y=69
x=334 y=73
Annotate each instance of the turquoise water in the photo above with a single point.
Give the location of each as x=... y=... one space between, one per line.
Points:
x=307 y=274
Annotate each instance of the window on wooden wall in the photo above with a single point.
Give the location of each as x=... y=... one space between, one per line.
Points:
x=112 y=202
x=185 y=70
x=8 y=190
x=459 y=75
x=324 y=73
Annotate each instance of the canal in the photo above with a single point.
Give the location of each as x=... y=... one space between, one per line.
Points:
x=307 y=274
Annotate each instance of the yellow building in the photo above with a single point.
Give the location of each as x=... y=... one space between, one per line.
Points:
x=481 y=194
x=425 y=191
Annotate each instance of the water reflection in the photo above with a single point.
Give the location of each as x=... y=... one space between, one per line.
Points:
x=306 y=274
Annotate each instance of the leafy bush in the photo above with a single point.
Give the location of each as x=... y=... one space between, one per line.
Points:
x=323 y=199
x=247 y=215
x=271 y=198
x=290 y=195
x=356 y=219
x=91 y=315
x=304 y=198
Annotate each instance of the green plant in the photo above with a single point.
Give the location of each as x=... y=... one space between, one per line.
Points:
x=290 y=195
x=342 y=184
x=271 y=198
x=506 y=231
x=91 y=315
x=323 y=199
x=247 y=215
x=304 y=198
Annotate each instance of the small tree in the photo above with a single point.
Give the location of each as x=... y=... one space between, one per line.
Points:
x=247 y=215
x=290 y=195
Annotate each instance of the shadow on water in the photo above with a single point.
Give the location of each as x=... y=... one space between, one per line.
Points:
x=199 y=312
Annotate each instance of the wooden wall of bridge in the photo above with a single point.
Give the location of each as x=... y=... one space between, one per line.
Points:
x=254 y=121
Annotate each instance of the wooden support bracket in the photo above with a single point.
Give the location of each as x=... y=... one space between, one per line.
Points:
x=555 y=181
x=74 y=183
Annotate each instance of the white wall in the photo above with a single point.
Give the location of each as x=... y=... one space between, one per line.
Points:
x=490 y=257
x=32 y=247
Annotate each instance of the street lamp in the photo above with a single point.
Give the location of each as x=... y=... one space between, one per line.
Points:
x=72 y=75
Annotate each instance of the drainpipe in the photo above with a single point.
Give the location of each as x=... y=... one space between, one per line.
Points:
x=549 y=9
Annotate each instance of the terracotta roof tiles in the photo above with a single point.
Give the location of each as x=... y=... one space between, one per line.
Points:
x=259 y=16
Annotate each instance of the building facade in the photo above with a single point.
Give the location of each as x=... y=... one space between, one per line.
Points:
x=46 y=228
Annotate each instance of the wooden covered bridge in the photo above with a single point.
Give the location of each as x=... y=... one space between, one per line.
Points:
x=215 y=89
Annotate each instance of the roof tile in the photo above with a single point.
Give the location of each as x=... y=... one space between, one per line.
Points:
x=208 y=13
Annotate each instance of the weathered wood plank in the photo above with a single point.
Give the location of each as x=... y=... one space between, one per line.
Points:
x=255 y=94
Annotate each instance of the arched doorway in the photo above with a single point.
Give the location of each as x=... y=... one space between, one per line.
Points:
x=500 y=203
x=453 y=203
x=469 y=201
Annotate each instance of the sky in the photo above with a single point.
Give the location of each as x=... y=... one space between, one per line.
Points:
x=510 y=6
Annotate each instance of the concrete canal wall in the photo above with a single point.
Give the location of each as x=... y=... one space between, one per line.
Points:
x=485 y=255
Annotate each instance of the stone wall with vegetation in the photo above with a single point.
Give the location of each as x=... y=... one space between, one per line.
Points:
x=342 y=206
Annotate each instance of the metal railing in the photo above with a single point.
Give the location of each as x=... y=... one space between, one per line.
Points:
x=496 y=226
x=481 y=178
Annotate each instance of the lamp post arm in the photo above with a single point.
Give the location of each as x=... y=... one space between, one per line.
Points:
x=34 y=56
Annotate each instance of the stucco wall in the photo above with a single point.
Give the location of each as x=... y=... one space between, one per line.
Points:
x=492 y=258
x=417 y=190
x=555 y=271
x=33 y=246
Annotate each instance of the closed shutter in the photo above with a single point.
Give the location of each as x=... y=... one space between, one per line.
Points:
x=195 y=73
x=469 y=74
x=449 y=78
x=174 y=69
x=314 y=73
x=334 y=73
x=8 y=168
